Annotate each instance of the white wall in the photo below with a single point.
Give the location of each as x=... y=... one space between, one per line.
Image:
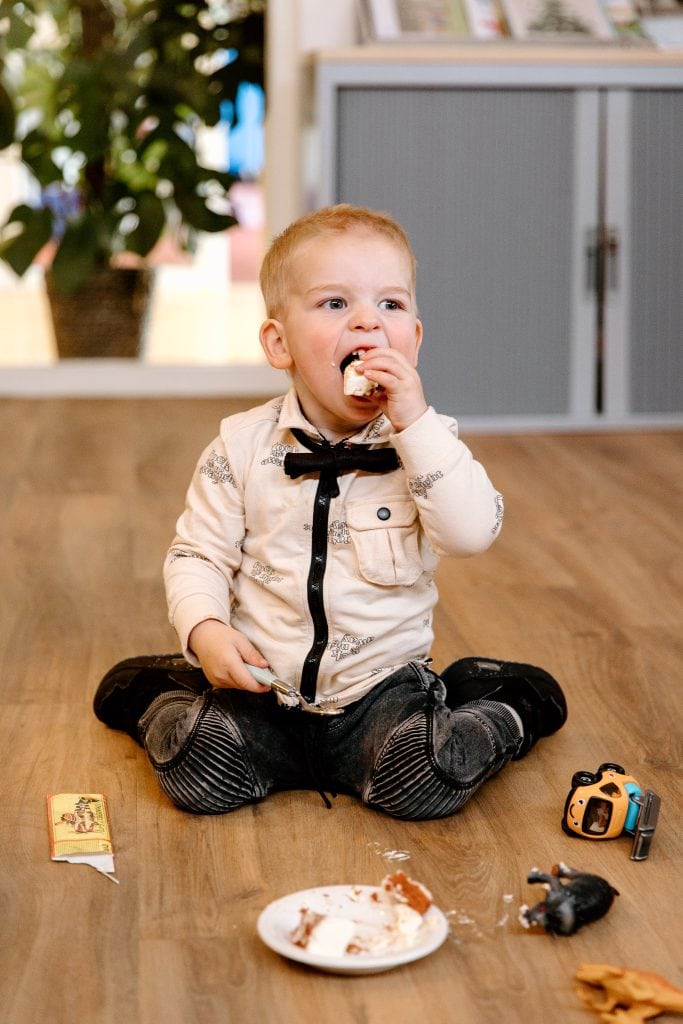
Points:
x=294 y=28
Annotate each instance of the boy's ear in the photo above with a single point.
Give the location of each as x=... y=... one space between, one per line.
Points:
x=274 y=344
x=418 y=338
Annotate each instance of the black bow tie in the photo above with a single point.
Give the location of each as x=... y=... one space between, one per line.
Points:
x=331 y=460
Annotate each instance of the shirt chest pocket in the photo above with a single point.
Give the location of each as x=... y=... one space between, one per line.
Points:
x=385 y=539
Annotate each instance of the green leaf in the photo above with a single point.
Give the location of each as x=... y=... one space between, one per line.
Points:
x=152 y=218
x=179 y=163
x=199 y=216
x=224 y=178
x=18 y=31
x=76 y=256
x=7 y=119
x=36 y=152
x=20 y=250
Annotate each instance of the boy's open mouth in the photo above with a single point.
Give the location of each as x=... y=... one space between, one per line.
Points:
x=352 y=357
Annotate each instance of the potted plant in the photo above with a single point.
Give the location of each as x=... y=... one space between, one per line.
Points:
x=103 y=100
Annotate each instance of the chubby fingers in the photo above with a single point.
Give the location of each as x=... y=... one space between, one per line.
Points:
x=246 y=652
x=402 y=396
x=222 y=652
x=389 y=368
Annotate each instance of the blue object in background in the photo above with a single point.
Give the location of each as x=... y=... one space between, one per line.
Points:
x=245 y=131
x=64 y=203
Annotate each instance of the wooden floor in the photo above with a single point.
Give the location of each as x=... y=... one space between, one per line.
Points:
x=584 y=580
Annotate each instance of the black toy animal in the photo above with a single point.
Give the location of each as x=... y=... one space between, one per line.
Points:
x=568 y=905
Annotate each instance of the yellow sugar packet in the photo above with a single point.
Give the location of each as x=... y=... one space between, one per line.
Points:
x=80 y=832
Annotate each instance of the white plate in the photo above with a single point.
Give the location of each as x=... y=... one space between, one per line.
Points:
x=278 y=920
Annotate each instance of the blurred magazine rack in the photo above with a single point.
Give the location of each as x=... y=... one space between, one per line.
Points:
x=654 y=23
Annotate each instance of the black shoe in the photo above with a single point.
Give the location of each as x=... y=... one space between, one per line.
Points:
x=531 y=691
x=127 y=690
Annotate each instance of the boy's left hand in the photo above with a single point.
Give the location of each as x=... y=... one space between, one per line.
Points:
x=402 y=398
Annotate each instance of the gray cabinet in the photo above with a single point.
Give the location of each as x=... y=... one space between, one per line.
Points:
x=546 y=211
x=643 y=328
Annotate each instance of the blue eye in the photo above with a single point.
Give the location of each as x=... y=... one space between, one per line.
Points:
x=335 y=303
x=390 y=304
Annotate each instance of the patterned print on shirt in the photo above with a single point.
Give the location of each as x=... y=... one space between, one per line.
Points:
x=277 y=454
x=420 y=485
x=500 y=512
x=217 y=468
x=348 y=645
x=338 y=533
x=176 y=553
x=374 y=429
x=264 y=574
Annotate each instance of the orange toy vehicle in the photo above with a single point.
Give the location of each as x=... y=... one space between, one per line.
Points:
x=604 y=804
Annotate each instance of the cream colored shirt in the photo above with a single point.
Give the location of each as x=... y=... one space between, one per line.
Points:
x=242 y=551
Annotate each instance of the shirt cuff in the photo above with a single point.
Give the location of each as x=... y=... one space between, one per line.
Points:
x=189 y=613
x=427 y=442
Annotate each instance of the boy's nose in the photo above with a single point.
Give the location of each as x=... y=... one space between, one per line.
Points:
x=366 y=319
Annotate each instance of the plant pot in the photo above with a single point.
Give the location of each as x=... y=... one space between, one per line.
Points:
x=106 y=317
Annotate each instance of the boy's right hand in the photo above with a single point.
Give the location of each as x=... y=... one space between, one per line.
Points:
x=222 y=652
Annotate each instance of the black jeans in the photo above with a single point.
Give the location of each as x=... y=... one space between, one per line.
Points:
x=399 y=749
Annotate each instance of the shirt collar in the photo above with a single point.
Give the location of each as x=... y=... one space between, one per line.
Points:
x=377 y=431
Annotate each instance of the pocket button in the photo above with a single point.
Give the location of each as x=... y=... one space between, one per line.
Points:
x=383 y=513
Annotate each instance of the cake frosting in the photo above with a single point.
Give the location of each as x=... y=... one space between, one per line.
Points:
x=321 y=934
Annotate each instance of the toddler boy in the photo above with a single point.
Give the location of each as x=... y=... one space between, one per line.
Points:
x=311 y=534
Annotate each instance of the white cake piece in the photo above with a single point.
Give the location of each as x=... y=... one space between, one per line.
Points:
x=323 y=935
x=331 y=936
x=356 y=383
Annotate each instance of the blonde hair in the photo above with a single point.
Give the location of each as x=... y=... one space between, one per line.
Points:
x=328 y=220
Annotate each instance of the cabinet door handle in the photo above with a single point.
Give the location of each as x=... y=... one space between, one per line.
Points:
x=602 y=260
x=592 y=262
x=610 y=250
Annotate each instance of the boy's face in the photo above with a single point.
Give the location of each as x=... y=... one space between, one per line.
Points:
x=348 y=291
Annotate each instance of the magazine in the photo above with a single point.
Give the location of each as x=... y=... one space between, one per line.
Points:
x=581 y=21
x=485 y=19
x=413 y=20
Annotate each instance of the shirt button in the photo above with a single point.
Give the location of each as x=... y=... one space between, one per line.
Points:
x=383 y=513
